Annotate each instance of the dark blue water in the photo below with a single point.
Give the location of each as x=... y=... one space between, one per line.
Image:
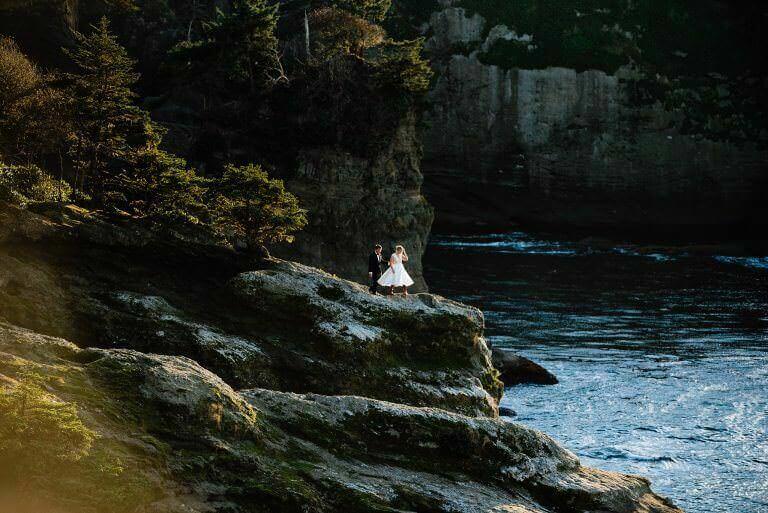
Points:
x=662 y=355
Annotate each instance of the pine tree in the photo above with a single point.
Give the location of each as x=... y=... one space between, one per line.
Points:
x=105 y=117
x=158 y=185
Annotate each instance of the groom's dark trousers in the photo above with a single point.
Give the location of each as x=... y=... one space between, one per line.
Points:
x=374 y=267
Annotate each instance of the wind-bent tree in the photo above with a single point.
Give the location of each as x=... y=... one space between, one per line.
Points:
x=251 y=206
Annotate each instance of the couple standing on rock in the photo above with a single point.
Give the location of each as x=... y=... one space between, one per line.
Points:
x=394 y=276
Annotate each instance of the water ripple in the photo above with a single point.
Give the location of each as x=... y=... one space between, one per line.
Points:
x=662 y=357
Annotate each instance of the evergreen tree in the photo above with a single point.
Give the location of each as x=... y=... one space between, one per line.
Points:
x=157 y=185
x=106 y=121
x=117 y=145
x=237 y=50
x=371 y=10
x=252 y=206
x=401 y=67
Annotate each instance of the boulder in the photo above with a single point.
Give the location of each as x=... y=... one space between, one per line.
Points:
x=507 y=412
x=518 y=370
x=281 y=388
x=422 y=349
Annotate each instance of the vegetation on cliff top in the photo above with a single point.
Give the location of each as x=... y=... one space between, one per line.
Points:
x=272 y=79
x=109 y=150
x=262 y=81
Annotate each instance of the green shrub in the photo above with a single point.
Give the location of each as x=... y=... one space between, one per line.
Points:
x=33 y=116
x=18 y=75
x=39 y=434
x=401 y=67
x=20 y=184
x=249 y=205
x=337 y=33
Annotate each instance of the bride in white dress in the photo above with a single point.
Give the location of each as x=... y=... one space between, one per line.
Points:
x=396 y=275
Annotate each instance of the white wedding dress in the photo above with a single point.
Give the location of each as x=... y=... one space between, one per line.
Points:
x=396 y=275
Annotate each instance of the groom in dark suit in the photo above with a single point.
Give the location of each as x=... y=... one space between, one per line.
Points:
x=374 y=268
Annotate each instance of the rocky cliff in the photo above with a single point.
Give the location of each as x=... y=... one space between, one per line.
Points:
x=567 y=147
x=212 y=383
x=354 y=200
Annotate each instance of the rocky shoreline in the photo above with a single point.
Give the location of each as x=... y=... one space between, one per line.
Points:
x=233 y=385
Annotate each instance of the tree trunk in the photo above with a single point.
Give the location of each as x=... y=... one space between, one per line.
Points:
x=306 y=35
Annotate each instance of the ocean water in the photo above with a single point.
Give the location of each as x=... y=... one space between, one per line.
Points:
x=662 y=356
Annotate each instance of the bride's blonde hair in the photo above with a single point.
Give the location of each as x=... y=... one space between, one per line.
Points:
x=399 y=249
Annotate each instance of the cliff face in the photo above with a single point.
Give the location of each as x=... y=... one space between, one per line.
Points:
x=223 y=385
x=52 y=20
x=567 y=147
x=356 y=202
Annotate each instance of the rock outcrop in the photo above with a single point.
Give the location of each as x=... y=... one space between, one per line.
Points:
x=517 y=370
x=227 y=385
x=284 y=325
x=355 y=202
x=562 y=147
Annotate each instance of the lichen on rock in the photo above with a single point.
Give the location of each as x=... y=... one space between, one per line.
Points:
x=394 y=348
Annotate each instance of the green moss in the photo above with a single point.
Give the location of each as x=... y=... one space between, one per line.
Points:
x=420 y=442
x=443 y=340
x=37 y=431
x=58 y=447
x=492 y=383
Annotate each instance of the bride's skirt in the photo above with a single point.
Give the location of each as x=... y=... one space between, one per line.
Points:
x=395 y=276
